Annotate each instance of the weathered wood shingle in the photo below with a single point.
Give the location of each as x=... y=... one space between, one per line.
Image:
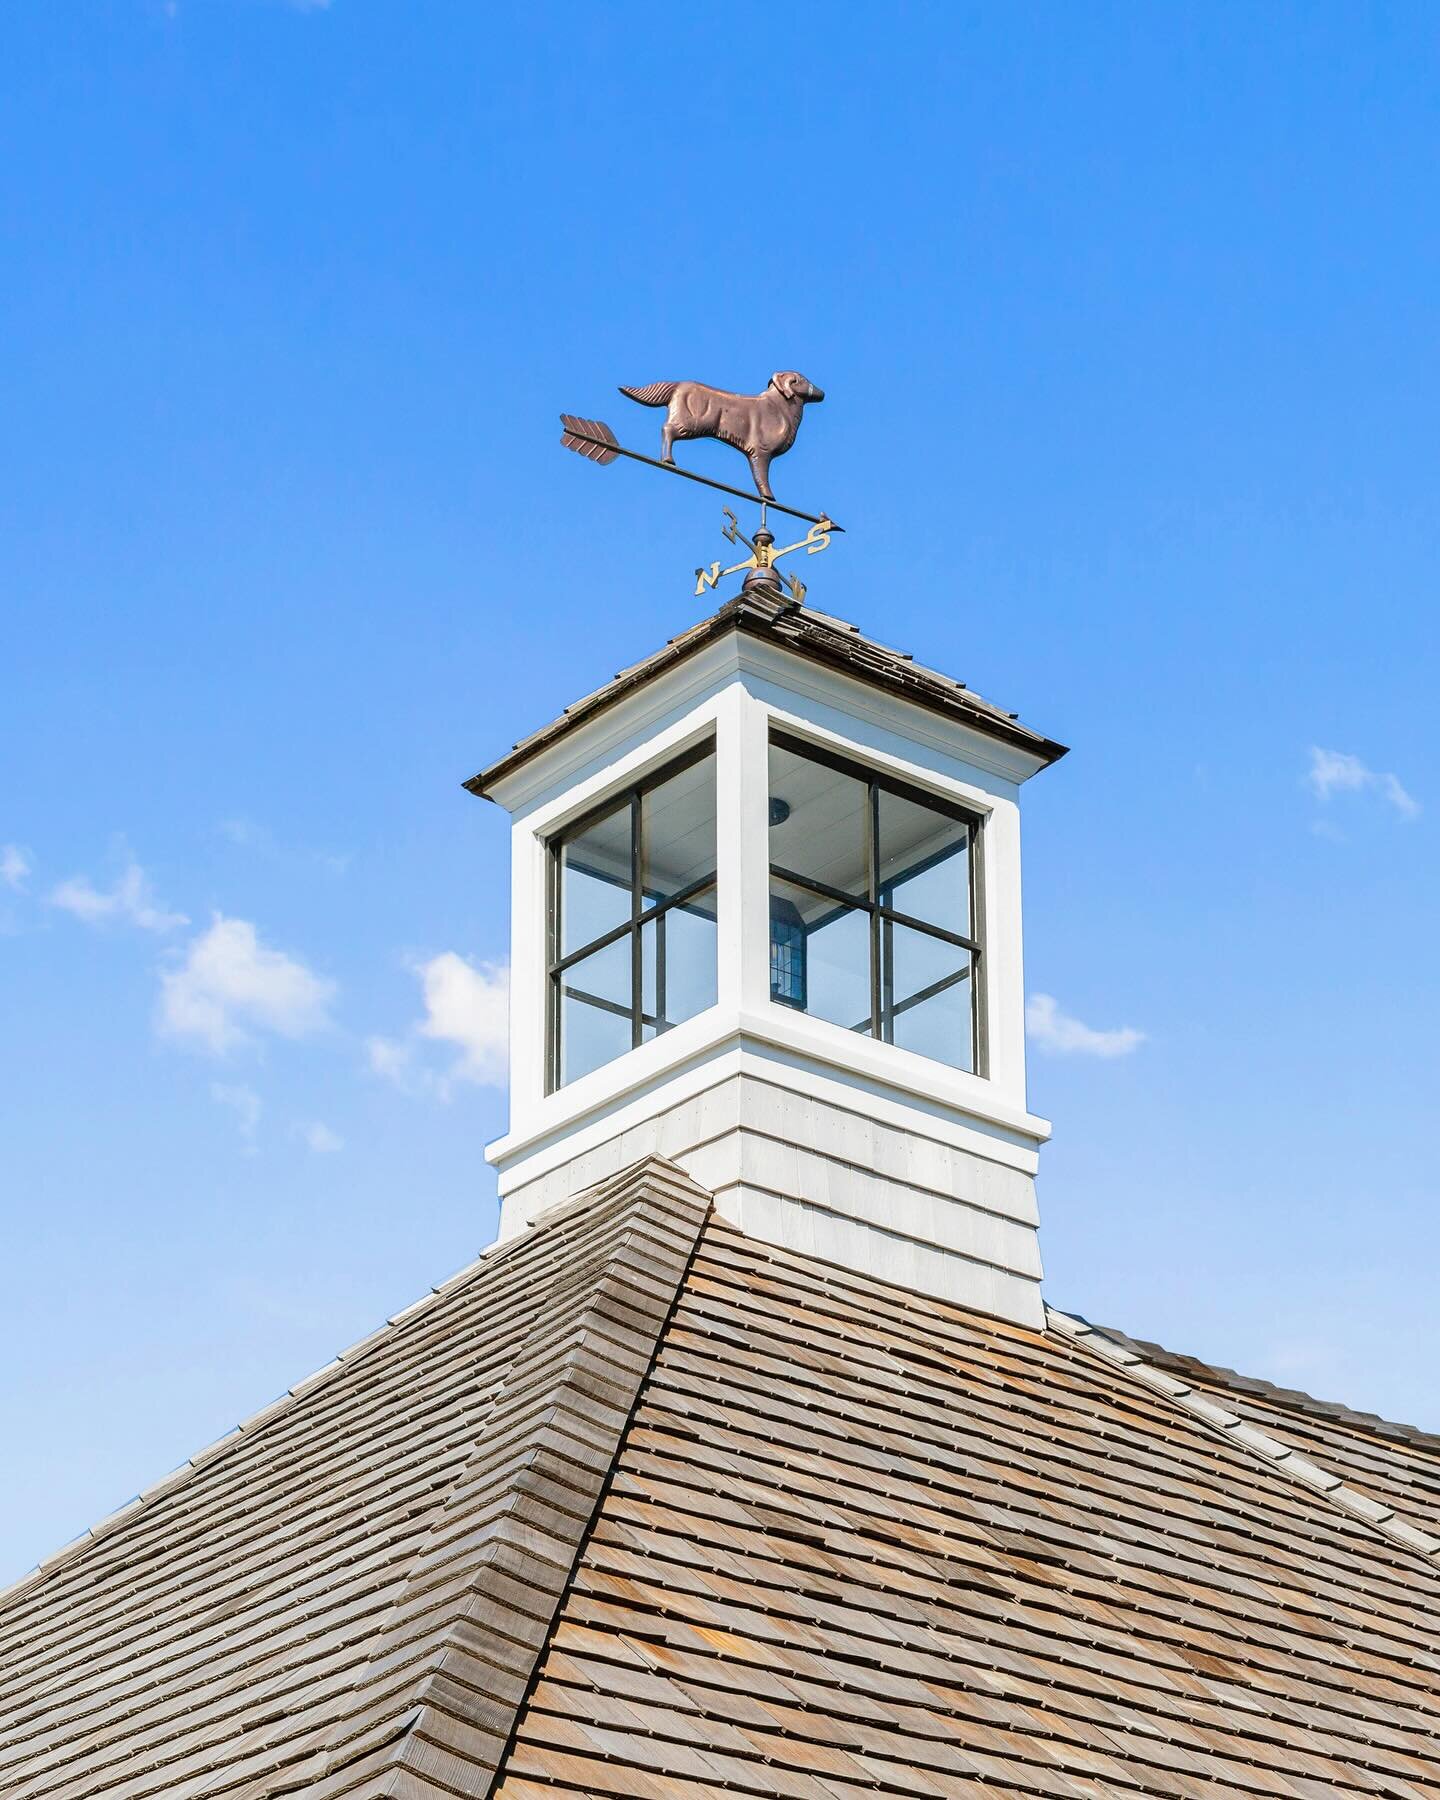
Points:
x=860 y=1542
x=352 y=1592
x=639 y=1508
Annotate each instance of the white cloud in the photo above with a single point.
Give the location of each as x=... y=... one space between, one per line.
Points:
x=469 y=1006
x=15 y=866
x=1337 y=772
x=230 y=985
x=1405 y=804
x=1054 y=1030
x=259 y=840
x=391 y=1058
x=320 y=1138
x=129 y=902
x=466 y=1004
x=245 y=834
x=247 y=1106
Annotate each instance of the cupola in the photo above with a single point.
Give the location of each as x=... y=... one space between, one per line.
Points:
x=765 y=917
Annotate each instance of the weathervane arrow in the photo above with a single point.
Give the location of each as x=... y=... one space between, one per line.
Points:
x=594 y=438
x=760 y=426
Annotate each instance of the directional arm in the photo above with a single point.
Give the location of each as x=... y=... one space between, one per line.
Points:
x=593 y=438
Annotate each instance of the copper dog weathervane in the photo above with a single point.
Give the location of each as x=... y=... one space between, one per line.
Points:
x=761 y=426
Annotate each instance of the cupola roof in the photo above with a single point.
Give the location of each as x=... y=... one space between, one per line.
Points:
x=819 y=637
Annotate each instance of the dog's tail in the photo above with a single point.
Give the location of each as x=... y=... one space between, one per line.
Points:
x=657 y=394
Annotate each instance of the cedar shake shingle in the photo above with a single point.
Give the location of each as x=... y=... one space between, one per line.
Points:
x=637 y=1507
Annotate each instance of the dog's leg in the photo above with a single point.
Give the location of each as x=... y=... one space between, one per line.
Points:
x=759 y=461
x=667 y=438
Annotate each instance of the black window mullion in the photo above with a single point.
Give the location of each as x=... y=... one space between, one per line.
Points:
x=603 y=942
x=595 y=1000
x=557 y=964
x=699 y=886
x=817 y=886
x=929 y=993
x=878 y=899
x=679 y=897
x=936 y=931
x=659 y=929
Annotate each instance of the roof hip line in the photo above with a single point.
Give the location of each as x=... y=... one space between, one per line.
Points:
x=1238 y=1430
x=499 y=1558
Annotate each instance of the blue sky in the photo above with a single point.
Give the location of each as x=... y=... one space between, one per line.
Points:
x=1126 y=317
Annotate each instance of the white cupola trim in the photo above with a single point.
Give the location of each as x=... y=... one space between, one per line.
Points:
x=811 y=1131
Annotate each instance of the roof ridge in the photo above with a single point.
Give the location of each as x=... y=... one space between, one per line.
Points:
x=500 y=1552
x=1293 y=1399
x=1237 y=1430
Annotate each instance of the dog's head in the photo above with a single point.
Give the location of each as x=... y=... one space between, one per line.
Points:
x=794 y=386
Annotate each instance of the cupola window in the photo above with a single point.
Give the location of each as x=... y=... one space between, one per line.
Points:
x=873 y=905
x=632 y=937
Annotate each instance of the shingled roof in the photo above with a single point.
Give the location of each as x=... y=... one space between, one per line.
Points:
x=638 y=1507
x=816 y=636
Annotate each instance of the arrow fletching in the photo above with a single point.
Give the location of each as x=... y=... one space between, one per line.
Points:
x=589 y=437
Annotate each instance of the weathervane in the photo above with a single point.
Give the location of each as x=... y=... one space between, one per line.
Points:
x=763 y=556
x=761 y=426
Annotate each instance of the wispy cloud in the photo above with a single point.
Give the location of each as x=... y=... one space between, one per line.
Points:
x=245 y=834
x=129 y=902
x=1058 y=1032
x=1334 y=772
x=391 y=1058
x=247 y=1107
x=467 y=1005
x=320 y=1138
x=259 y=840
x=231 y=986
x=15 y=867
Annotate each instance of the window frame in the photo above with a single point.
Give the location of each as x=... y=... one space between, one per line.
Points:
x=884 y=917
x=641 y=915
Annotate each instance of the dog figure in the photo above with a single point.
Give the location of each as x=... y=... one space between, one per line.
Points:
x=761 y=426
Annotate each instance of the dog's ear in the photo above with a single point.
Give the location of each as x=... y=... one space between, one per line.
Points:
x=785 y=381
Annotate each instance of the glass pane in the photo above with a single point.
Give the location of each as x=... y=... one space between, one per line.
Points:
x=678 y=958
x=820 y=956
x=817 y=822
x=595 y=1010
x=927 y=996
x=925 y=863
x=677 y=831
x=595 y=880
